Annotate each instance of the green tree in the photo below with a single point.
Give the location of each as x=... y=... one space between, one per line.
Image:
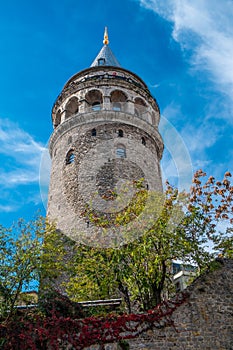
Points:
x=33 y=254
x=140 y=270
x=21 y=249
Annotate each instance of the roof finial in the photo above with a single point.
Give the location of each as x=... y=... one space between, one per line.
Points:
x=106 y=41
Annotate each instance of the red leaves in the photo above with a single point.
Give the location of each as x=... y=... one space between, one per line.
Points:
x=52 y=332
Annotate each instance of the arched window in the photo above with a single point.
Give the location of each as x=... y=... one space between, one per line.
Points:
x=94 y=99
x=96 y=106
x=72 y=107
x=116 y=106
x=118 y=100
x=70 y=157
x=143 y=141
x=120 y=133
x=121 y=151
x=140 y=106
x=93 y=132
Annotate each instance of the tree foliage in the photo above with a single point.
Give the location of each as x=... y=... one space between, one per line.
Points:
x=20 y=259
x=187 y=225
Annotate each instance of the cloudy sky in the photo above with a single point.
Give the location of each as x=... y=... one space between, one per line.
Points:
x=183 y=49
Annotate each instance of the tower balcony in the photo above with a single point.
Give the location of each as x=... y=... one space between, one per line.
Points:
x=98 y=108
x=128 y=113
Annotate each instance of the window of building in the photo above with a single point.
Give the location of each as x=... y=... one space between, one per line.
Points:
x=69 y=140
x=121 y=152
x=120 y=133
x=72 y=107
x=96 y=106
x=143 y=141
x=101 y=61
x=70 y=157
x=116 y=106
x=93 y=132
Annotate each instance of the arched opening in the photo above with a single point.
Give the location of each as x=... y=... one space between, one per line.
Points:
x=118 y=100
x=70 y=157
x=93 y=132
x=143 y=141
x=139 y=106
x=94 y=99
x=57 y=119
x=120 y=133
x=72 y=107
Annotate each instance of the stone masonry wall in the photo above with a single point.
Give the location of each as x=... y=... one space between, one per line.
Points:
x=80 y=191
x=204 y=321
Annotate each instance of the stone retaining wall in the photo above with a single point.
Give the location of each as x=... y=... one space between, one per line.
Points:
x=204 y=321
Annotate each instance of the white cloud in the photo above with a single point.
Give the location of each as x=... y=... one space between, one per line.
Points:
x=176 y=163
x=206 y=28
x=20 y=158
x=22 y=152
x=7 y=208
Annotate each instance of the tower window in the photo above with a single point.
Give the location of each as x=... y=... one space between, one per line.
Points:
x=96 y=106
x=116 y=106
x=101 y=61
x=120 y=133
x=143 y=141
x=70 y=157
x=93 y=132
x=121 y=152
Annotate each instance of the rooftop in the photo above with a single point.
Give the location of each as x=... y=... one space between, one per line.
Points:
x=105 y=57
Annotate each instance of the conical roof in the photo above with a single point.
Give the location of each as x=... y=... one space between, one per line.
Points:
x=105 y=57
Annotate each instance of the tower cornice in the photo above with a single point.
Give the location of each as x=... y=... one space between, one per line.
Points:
x=101 y=76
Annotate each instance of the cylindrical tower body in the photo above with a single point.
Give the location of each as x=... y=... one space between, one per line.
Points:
x=105 y=141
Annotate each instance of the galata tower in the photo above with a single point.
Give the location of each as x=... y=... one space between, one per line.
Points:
x=105 y=149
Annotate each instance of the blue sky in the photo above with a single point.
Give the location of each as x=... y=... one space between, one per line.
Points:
x=183 y=50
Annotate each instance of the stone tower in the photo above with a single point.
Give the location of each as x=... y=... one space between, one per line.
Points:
x=105 y=142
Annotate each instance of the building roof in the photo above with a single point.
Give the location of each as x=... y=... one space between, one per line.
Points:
x=105 y=57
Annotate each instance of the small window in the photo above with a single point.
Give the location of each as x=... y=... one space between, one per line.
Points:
x=120 y=133
x=96 y=106
x=101 y=61
x=143 y=141
x=70 y=157
x=121 y=152
x=116 y=106
x=69 y=140
x=93 y=132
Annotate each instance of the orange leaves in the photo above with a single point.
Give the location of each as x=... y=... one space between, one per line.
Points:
x=227 y=174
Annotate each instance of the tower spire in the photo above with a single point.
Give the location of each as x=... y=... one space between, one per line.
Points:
x=105 y=57
x=106 y=41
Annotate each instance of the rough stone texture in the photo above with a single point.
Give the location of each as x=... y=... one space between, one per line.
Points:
x=98 y=184
x=204 y=321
